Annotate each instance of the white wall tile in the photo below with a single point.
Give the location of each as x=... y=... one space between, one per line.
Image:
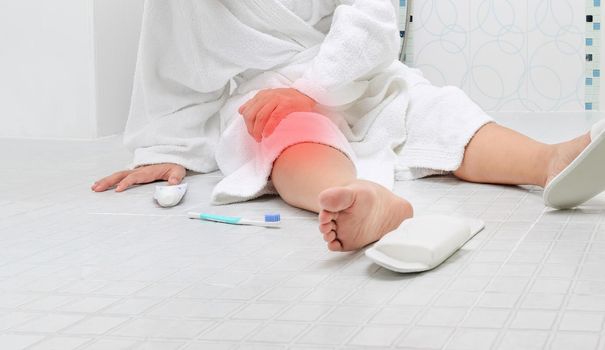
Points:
x=511 y=56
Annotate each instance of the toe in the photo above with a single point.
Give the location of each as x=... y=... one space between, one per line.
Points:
x=335 y=245
x=336 y=199
x=326 y=217
x=330 y=236
x=327 y=227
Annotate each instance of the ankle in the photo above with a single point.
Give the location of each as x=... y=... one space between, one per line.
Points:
x=548 y=166
x=406 y=210
x=562 y=154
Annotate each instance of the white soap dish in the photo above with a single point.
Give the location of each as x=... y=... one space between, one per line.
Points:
x=423 y=243
x=169 y=196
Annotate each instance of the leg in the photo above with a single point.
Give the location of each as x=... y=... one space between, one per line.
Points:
x=305 y=170
x=502 y=156
x=352 y=212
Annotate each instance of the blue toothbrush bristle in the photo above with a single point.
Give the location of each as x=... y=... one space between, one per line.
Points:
x=272 y=218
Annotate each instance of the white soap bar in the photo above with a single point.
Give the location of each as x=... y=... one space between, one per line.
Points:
x=423 y=243
x=169 y=196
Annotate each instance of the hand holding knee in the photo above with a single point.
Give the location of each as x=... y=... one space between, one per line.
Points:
x=264 y=112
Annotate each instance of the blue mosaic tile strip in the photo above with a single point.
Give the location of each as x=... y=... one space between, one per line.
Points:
x=593 y=57
x=592 y=44
x=402 y=14
x=403 y=31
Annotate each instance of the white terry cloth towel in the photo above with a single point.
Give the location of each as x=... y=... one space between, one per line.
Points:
x=200 y=60
x=440 y=121
x=250 y=179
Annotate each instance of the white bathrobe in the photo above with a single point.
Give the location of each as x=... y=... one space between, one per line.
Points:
x=200 y=60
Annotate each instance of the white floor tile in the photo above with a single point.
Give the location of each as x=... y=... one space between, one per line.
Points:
x=61 y=343
x=17 y=342
x=82 y=270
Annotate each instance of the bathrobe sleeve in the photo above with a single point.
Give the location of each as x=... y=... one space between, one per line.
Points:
x=363 y=38
x=175 y=103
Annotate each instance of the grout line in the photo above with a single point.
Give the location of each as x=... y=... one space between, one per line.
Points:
x=523 y=294
x=574 y=281
x=424 y=308
x=482 y=293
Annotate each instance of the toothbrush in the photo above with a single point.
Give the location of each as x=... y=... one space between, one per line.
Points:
x=271 y=220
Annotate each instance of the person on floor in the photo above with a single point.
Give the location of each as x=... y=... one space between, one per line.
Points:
x=306 y=99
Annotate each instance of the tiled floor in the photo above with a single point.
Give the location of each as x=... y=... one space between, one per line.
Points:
x=80 y=270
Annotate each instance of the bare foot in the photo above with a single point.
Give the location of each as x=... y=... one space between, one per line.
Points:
x=359 y=214
x=565 y=153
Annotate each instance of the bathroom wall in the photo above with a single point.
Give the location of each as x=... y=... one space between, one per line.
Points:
x=66 y=66
x=117 y=28
x=511 y=56
x=46 y=69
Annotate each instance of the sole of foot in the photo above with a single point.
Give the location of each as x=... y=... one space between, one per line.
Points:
x=361 y=213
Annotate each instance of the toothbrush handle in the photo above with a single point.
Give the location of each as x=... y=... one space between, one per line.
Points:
x=216 y=218
x=231 y=220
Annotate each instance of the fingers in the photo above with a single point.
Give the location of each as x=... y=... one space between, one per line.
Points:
x=259 y=96
x=243 y=107
x=249 y=120
x=263 y=113
x=176 y=175
x=250 y=113
x=110 y=181
x=262 y=118
x=173 y=173
x=141 y=176
x=278 y=115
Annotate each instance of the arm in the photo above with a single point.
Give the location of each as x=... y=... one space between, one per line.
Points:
x=173 y=123
x=175 y=103
x=363 y=38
